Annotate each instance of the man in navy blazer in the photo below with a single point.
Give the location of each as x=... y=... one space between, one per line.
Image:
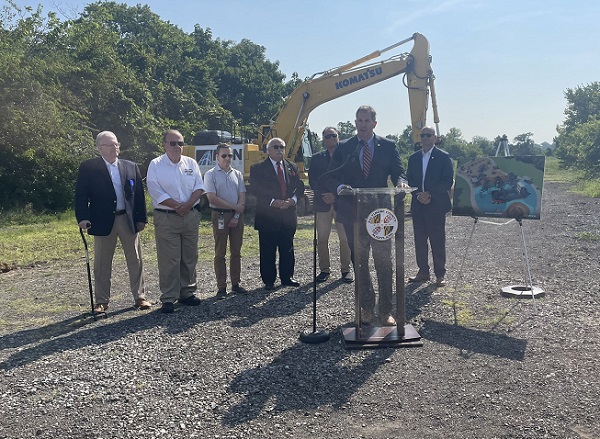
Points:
x=431 y=171
x=347 y=168
x=325 y=210
x=275 y=217
x=110 y=203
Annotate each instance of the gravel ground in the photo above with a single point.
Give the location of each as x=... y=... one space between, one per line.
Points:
x=489 y=367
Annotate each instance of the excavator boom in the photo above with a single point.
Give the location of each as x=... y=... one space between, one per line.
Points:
x=290 y=123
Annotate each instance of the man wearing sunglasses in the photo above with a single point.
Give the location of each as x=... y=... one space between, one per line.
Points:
x=110 y=203
x=175 y=185
x=226 y=194
x=430 y=170
x=276 y=184
x=326 y=211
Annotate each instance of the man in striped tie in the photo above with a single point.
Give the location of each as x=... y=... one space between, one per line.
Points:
x=366 y=161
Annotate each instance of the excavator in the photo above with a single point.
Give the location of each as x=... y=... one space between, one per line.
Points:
x=291 y=122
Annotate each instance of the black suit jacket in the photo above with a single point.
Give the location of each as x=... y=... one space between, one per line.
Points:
x=265 y=186
x=384 y=163
x=319 y=163
x=96 y=201
x=439 y=178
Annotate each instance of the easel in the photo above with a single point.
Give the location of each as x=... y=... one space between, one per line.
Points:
x=518 y=291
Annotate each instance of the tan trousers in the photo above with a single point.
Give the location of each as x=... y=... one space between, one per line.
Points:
x=324 y=221
x=104 y=250
x=177 y=253
x=235 y=236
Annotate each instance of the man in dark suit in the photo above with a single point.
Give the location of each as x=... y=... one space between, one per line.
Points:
x=430 y=170
x=276 y=184
x=324 y=206
x=110 y=203
x=366 y=161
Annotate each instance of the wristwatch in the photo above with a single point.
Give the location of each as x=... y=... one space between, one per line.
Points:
x=236 y=216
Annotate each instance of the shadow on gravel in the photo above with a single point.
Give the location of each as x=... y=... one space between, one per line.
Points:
x=302 y=378
x=29 y=336
x=290 y=303
x=417 y=296
x=472 y=341
x=96 y=333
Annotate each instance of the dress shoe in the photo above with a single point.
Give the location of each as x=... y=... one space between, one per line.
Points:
x=291 y=282
x=269 y=286
x=322 y=277
x=419 y=278
x=239 y=289
x=101 y=307
x=167 y=308
x=142 y=304
x=366 y=317
x=388 y=320
x=440 y=281
x=190 y=301
x=221 y=294
x=347 y=277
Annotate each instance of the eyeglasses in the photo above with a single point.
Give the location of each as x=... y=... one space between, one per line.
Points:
x=330 y=136
x=277 y=146
x=115 y=145
x=224 y=156
x=422 y=135
x=176 y=142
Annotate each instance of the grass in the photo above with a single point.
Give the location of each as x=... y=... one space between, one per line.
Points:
x=583 y=185
x=588 y=236
x=47 y=238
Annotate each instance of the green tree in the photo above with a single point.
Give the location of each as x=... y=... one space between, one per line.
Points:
x=524 y=145
x=583 y=102
x=346 y=129
x=42 y=139
x=580 y=148
x=577 y=142
x=456 y=146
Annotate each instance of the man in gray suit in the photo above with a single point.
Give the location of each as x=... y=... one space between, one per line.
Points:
x=110 y=203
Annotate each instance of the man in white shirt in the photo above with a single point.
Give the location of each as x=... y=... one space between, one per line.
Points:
x=175 y=185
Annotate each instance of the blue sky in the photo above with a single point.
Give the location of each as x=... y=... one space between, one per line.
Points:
x=501 y=67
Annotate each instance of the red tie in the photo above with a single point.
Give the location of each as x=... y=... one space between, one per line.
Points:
x=366 y=158
x=281 y=179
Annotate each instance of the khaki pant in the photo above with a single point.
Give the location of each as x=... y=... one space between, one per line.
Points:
x=177 y=253
x=324 y=221
x=104 y=250
x=235 y=236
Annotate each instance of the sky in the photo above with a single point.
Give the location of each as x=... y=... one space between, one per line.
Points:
x=501 y=66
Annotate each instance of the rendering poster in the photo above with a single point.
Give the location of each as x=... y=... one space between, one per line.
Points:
x=500 y=187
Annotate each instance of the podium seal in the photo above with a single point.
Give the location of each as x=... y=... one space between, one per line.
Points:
x=381 y=224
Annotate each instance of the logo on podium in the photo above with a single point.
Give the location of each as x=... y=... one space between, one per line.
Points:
x=382 y=224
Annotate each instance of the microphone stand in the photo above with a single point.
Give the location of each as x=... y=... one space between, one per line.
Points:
x=318 y=335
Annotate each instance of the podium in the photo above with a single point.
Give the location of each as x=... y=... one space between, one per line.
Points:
x=379 y=291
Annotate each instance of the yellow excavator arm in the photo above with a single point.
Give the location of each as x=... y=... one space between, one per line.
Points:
x=290 y=123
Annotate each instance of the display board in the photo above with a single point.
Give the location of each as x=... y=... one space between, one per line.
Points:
x=504 y=187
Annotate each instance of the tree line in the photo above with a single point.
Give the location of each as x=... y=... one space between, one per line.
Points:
x=122 y=68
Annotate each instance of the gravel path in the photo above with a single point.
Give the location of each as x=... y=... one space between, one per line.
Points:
x=490 y=367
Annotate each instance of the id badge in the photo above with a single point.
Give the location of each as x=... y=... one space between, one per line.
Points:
x=221 y=224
